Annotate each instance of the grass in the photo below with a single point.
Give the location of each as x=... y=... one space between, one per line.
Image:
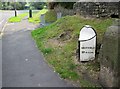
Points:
x=50 y=16
x=60 y=52
x=18 y=18
x=36 y=16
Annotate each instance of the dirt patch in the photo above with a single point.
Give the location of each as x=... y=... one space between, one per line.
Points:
x=66 y=35
x=56 y=43
x=87 y=71
x=62 y=39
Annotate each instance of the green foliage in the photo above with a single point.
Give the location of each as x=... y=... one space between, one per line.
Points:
x=14 y=19
x=50 y=16
x=61 y=53
x=18 y=18
x=11 y=5
x=21 y=5
x=67 y=5
x=47 y=50
x=38 y=5
x=67 y=74
x=51 y=5
x=0 y=5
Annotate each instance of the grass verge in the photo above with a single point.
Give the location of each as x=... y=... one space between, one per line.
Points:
x=36 y=16
x=58 y=42
x=18 y=18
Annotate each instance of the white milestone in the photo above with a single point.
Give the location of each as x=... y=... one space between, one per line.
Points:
x=87 y=41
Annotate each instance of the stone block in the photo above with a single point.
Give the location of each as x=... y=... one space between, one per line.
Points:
x=109 y=57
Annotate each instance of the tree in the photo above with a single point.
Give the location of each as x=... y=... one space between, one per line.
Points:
x=52 y=5
x=11 y=5
x=0 y=5
x=67 y=5
x=19 y=5
x=37 y=5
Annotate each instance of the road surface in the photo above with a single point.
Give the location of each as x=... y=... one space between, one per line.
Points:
x=22 y=63
x=4 y=15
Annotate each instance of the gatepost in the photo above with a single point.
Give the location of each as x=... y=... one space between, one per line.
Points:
x=59 y=15
x=42 y=18
x=110 y=57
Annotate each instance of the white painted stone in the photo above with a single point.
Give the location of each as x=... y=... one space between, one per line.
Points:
x=87 y=43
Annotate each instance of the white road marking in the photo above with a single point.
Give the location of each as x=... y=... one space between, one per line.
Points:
x=1 y=34
x=2 y=21
x=3 y=28
x=10 y=24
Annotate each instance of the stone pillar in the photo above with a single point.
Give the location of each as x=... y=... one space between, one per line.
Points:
x=110 y=57
x=42 y=18
x=59 y=15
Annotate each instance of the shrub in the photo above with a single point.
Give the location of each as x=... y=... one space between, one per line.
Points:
x=50 y=16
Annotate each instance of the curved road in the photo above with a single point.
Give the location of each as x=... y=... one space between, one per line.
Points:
x=22 y=63
x=4 y=15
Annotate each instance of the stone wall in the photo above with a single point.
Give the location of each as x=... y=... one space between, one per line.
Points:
x=97 y=9
x=64 y=11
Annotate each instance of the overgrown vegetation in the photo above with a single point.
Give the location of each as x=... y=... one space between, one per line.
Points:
x=50 y=16
x=58 y=42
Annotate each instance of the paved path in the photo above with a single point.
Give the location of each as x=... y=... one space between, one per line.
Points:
x=23 y=65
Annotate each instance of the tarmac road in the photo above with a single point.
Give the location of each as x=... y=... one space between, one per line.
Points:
x=4 y=15
x=22 y=63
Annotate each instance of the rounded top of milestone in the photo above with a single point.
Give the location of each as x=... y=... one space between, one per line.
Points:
x=87 y=26
x=87 y=33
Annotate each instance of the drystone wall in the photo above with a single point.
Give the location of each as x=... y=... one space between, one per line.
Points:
x=97 y=9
